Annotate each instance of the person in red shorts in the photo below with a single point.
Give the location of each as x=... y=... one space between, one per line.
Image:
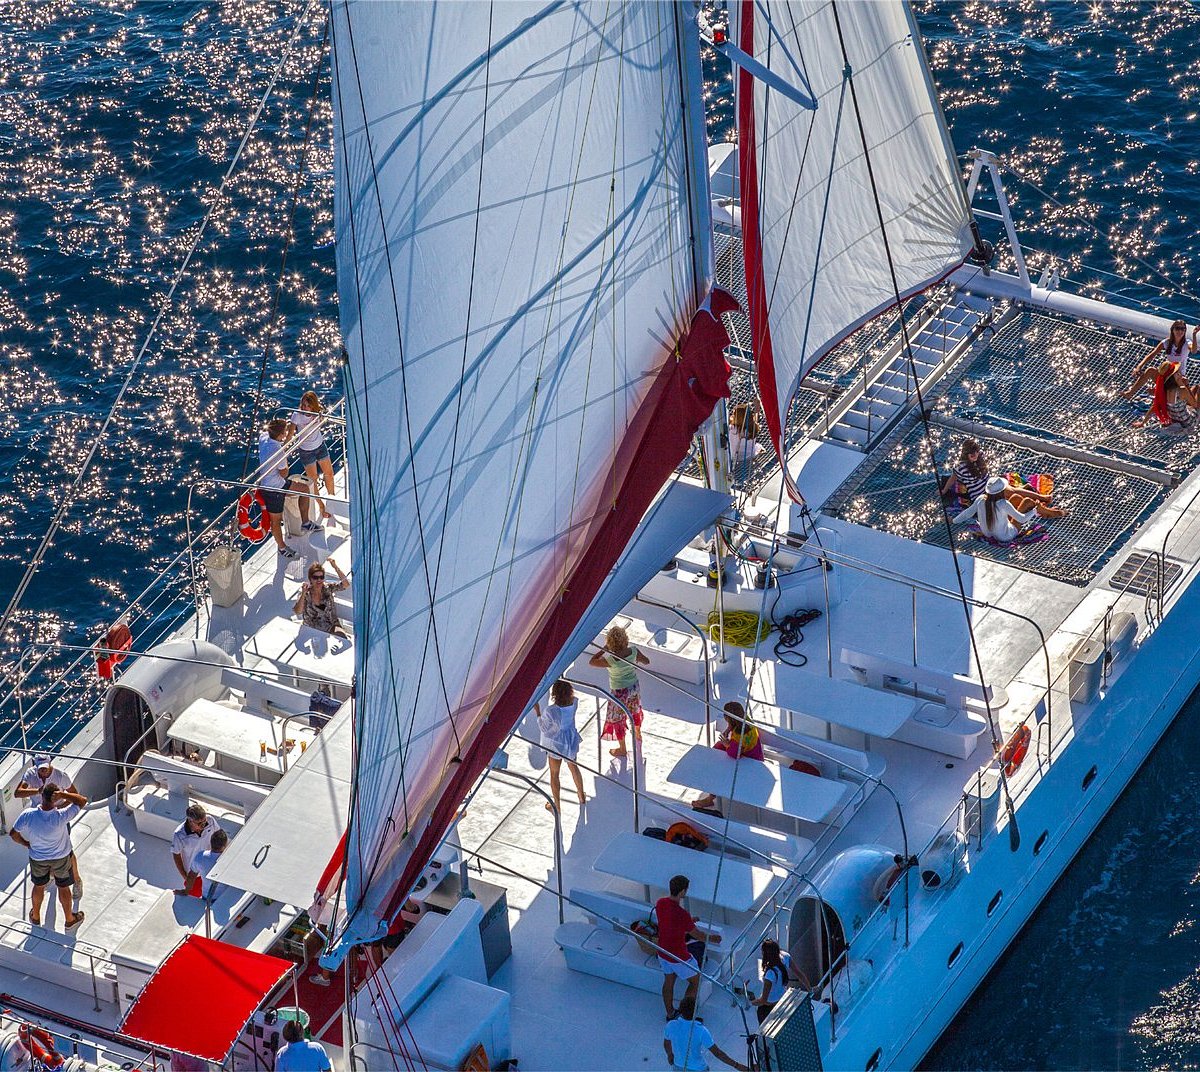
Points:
x=675 y=927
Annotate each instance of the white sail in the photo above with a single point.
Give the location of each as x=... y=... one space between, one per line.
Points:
x=817 y=265
x=515 y=272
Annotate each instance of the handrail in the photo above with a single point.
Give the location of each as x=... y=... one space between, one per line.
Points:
x=634 y=737
x=558 y=850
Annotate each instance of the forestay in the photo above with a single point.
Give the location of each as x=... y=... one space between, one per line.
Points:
x=516 y=281
x=816 y=263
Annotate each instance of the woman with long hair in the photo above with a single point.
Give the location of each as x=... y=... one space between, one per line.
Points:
x=1173 y=396
x=560 y=738
x=739 y=740
x=998 y=519
x=970 y=477
x=1174 y=348
x=774 y=979
x=621 y=659
x=314 y=451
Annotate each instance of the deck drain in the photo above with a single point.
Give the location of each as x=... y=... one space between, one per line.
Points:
x=1139 y=574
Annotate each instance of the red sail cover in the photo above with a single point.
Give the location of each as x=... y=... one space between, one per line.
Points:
x=681 y=400
x=202 y=996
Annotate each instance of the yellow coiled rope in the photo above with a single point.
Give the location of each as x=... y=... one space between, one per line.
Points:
x=743 y=628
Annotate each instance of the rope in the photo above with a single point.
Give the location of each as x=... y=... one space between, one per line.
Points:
x=743 y=628
x=272 y=323
x=993 y=729
x=67 y=499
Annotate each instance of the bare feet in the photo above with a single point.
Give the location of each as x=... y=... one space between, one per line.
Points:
x=35 y=919
x=549 y=806
x=582 y=798
x=618 y=752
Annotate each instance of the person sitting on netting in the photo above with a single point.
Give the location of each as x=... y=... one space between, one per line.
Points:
x=997 y=518
x=739 y=740
x=1174 y=399
x=1173 y=348
x=972 y=473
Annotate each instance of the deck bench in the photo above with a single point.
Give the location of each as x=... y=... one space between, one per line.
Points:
x=948 y=720
x=758 y=844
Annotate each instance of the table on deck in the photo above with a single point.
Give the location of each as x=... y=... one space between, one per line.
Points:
x=306 y=651
x=758 y=784
x=240 y=735
x=651 y=862
x=840 y=703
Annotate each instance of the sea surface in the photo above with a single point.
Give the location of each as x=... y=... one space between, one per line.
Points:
x=117 y=122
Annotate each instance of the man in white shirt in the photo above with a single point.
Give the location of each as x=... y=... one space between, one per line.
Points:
x=274 y=481
x=44 y=831
x=687 y=1041
x=192 y=837
x=41 y=773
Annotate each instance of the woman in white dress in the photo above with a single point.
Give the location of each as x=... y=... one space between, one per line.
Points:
x=560 y=738
x=998 y=519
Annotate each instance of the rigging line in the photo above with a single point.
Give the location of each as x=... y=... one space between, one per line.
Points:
x=361 y=435
x=527 y=435
x=997 y=741
x=67 y=498
x=812 y=122
x=289 y=234
x=1172 y=285
x=462 y=373
x=432 y=628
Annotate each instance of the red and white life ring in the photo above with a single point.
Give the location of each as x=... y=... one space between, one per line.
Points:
x=40 y=1044
x=1016 y=749
x=254 y=531
x=118 y=640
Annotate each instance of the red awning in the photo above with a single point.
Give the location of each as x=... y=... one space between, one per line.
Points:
x=202 y=996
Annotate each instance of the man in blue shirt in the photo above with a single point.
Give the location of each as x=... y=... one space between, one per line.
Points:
x=300 y=1054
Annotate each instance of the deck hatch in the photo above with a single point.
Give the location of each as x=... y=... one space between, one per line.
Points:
x=1139 y=574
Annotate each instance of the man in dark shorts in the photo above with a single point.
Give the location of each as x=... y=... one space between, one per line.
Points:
x=44 y=831
x=275 y=481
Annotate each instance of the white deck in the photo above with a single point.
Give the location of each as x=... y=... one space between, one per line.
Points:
x=508 y=832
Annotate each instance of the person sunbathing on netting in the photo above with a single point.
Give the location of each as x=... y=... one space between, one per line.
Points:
x=971 y=474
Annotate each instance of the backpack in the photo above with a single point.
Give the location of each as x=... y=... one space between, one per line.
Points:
x=687 y=835
x=804 y=767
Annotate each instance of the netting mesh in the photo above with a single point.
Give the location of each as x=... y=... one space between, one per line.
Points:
x=809 y=405
x=895 y=492
x=1062 y=381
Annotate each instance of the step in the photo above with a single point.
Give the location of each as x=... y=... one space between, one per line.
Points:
x=845 y=433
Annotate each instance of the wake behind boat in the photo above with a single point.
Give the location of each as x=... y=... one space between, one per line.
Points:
x=919 y=724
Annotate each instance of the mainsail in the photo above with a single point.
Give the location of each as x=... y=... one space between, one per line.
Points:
x=515 y=209
x=817 y=266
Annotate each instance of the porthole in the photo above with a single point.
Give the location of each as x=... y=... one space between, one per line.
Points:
x=1089 y=777
x=955 y=953
x=1041 y=842
x=994 y=903
x=873 y=1063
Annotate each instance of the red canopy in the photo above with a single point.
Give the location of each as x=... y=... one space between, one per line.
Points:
x=202 y=996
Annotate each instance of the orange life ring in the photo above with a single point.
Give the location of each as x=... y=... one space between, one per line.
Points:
x=40 y=1044
x=1016 y=749
x=254 y=532
x=118 y=640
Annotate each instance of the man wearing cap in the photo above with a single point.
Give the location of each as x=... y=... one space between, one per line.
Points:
x=39 y=774
x=192 y=837
x=43 y=829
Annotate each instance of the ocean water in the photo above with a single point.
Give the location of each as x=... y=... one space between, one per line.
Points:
x=117 y=120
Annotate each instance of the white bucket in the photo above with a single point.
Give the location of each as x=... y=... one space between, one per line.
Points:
x=224 y=568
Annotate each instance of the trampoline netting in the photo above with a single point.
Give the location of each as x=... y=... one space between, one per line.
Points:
x=1062 y=381
x=895 y=492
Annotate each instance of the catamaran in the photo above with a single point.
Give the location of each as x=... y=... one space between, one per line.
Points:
x=560 y=307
